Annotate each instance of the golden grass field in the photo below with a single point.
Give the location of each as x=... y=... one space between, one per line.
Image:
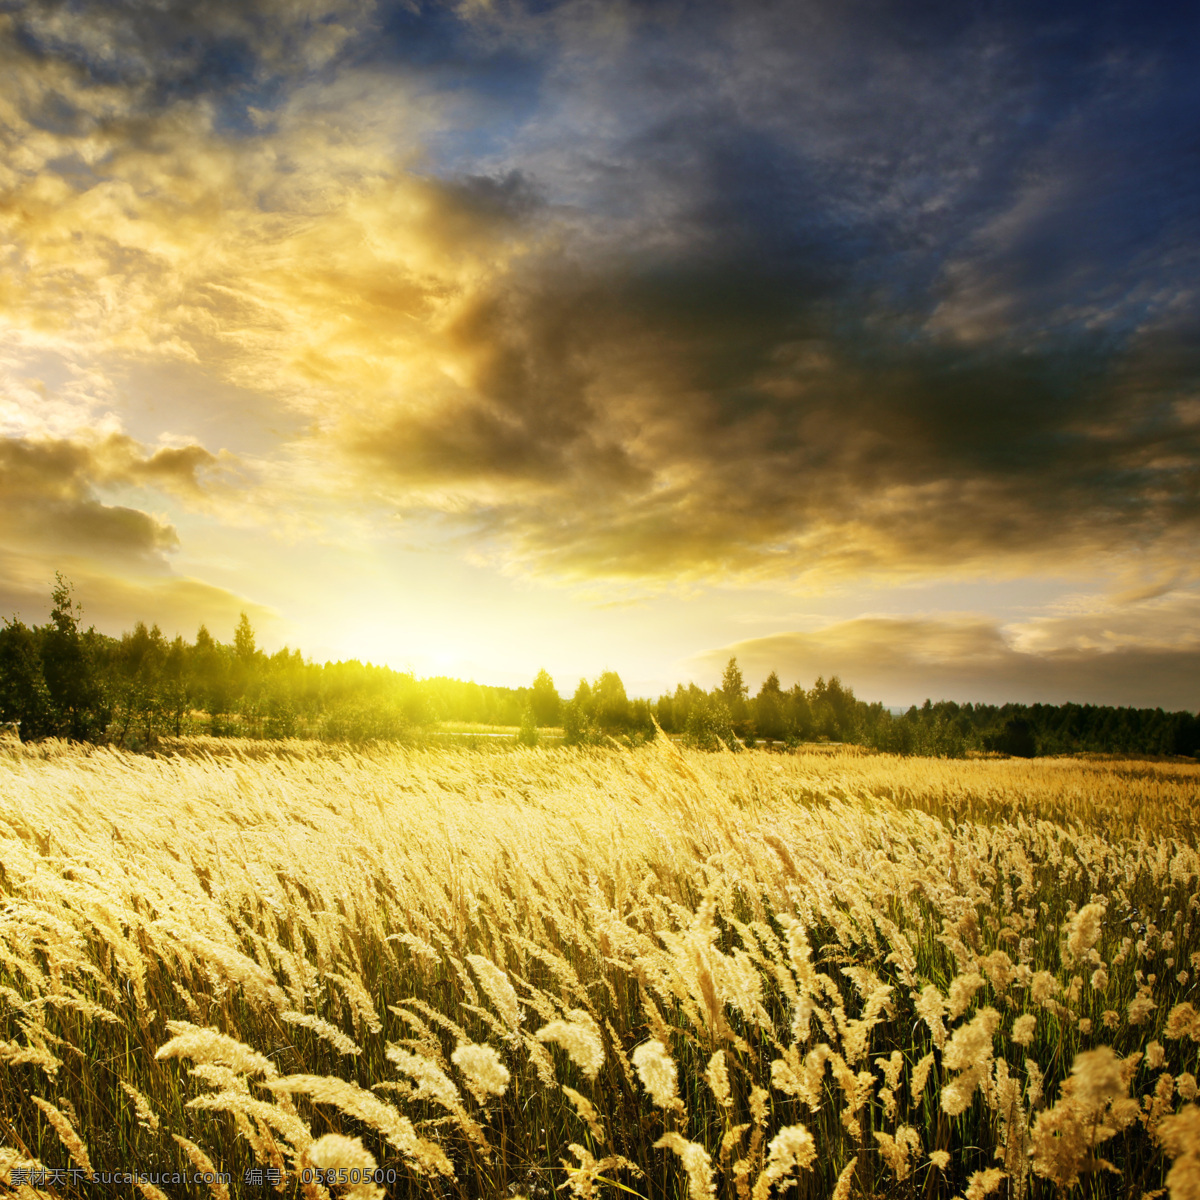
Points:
x=655 y=973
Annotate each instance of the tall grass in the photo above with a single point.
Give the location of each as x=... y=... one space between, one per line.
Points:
x=657 y=972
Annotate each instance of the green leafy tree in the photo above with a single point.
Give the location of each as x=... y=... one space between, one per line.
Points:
x=709 y=724
x=679 y=707
x=800 y=715
x=137 y=686
x=527 y=734
x=610 y=705
x=23 y=693
x=283 y=682
x=243 y=641
x=770 y=718
x=578 y=726
x=212 y=678
x=175 y=694
x=641 y=721
x=734 y=693
x=70 y=668
x=733 y=686
x=1016 y=738
x=544 y=700
x=248 y=680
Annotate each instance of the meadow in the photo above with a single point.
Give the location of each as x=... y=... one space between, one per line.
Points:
x=657 y=972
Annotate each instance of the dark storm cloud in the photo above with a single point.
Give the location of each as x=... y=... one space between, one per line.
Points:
x=733 y=427
x=847 y=288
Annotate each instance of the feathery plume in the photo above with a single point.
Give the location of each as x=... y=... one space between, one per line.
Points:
x=658 y=1073
x=66 y=1134
x=1084 y=931
x=845 y=1181
x=717 y=1076
x=354 y=1102
x=580 y=1038
x=485 y=1073
x=1024 y=1028
x=212 y=1046
x=696 y=1163
x=587 y=1112
x=499 y=990
x=432 y=1082
x=324 y=1030
x=335 y=1152
x=1179 y=1136
x=204 y=1165
x=145 y=1114
x=791 y=1150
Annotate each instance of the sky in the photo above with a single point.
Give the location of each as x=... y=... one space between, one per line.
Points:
x=843 y=336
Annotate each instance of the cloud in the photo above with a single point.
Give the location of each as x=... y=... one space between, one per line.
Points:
x=115 y=602
x=175 y=468
x=48 y=499
x=1145 y=655
x=184 y=48
x=59 y=510
x=752 y=315
x=57 y=513
x=632 y=293
x=743 y=449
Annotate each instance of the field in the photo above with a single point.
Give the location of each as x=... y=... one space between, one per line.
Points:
x=653 y=973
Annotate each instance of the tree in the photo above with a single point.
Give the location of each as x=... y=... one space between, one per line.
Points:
x=23 y=694
x=174 y=693
x=544 y=700
x=842 y=703
x=243 y=641
x=527 y=734
x=682 y=703
x=734 y=693
x=769 y=718
x=733 y=686
x=211 y=672
x=578 y=725
x=610 y=704
x=137 y=688
x=247 y=678
x=71 y=672
x=800 y=719
x=1016 y=739
x=708 y=724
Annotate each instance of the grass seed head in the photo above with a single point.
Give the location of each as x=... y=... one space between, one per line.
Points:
x=658 y=1073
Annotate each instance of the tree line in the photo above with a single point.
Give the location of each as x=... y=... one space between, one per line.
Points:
x=62 y=680
x=830 y=711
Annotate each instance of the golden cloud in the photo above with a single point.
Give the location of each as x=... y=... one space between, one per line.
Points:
x=601 y=397
x=115 y=601
x=1144 y=655
x=54 y=516
x=48 y=501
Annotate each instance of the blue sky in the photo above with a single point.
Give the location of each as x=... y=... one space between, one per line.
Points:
x=476 y=337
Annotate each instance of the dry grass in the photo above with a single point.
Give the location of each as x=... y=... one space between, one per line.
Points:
x=577 y=971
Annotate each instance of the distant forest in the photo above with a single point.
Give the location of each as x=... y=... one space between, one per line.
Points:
x=62 y=680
